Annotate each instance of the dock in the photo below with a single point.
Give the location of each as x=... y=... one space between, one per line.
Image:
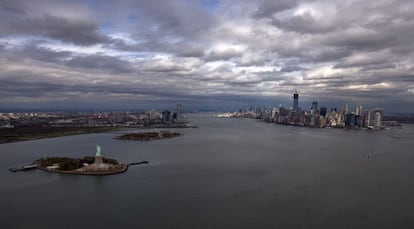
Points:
x=24 y=168
x=138 y=163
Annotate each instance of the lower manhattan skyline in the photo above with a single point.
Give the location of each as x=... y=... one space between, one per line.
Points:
x=207 y=54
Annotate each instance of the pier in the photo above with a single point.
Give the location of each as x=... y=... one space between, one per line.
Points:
x=138 y=163
x=24 y=168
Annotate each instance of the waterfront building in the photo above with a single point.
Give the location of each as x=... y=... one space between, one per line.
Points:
x=152 y=114
x=358 y=121
x=179 y=114
x=315 y=106
x=322 y=121
x=259 y=112
x=359 y=111
x=340 y=120
x=314 y=114
x=350 y=120
x=274 y=113
x=369 y=118
x=166 y=116
x=283 y=115
x=373 y=118
x=323 y=111
x=377 y=120
x=344 y=109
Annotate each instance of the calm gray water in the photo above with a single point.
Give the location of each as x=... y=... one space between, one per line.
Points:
x=230 y=173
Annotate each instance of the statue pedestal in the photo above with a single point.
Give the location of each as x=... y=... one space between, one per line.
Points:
x=98 y=160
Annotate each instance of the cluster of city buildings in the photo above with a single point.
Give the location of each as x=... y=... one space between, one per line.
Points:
x=149 y=117
x=316 y=116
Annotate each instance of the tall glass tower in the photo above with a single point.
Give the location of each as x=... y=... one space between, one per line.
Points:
x=295 y=103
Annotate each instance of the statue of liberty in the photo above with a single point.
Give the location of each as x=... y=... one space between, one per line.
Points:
x=98 y=156
x=98 y=151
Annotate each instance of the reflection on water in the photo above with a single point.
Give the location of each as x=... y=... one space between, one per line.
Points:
x=230 y=173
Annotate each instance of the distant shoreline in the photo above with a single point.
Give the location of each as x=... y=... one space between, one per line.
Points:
x=20 y=134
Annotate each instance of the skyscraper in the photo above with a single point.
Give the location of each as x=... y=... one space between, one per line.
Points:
x=314 y=107
x=359 y=111
x=373 y=118
x=296 y=110
x=314 y=113
x=323 y=111
x=377 y=120
x=166 y=116
x=295 y=102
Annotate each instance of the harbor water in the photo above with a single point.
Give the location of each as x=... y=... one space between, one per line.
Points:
x=229 y=173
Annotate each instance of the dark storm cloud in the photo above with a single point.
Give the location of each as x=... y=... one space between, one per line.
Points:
x=222 y=55
x=305 y=23
x=89 y=62
x=359 y=39
x=267 y=8
x=168 y=65
x=99 y=62
x=33 y=51
x=74 y=31
x=373 y=59
x=328 y=54
x=23 y=18
x=189 y=52
x=11 y=6
x=377 y=67
x=157 y=19
x=179 y=49
x=291 y=68
x=12 y=87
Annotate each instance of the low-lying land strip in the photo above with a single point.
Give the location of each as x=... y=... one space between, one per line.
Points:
x=24 y=133
x=147 y=136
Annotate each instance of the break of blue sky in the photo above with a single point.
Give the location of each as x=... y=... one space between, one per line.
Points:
x=206 y=53
x=211 y=4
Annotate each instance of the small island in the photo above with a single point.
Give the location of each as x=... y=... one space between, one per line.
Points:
x=147 y=136
x=88 y=165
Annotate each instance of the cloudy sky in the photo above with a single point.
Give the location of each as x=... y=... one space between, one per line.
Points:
x=206 y=53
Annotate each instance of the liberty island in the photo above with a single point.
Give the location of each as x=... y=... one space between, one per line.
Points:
x=88 y=165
